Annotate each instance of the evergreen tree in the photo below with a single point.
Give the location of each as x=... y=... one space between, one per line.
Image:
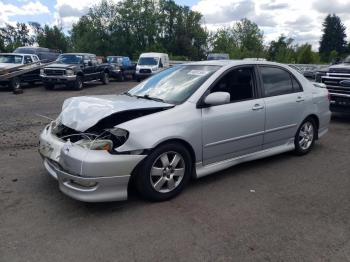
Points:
x=333 y=37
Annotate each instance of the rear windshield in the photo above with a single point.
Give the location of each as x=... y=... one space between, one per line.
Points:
x=11 y=59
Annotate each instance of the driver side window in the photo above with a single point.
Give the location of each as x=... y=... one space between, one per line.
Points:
x=239 y=83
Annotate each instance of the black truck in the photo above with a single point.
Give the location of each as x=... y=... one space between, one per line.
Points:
x=337 y=80
x=73 y=69
x=122 y=67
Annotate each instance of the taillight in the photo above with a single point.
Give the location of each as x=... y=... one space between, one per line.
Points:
x=329 y=96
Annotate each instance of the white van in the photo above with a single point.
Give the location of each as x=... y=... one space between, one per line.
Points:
x=150 y=64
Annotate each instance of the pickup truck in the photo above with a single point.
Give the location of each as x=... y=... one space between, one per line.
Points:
x=337 y=80
x=10 y=62
x=73 y=69
x=122 y=68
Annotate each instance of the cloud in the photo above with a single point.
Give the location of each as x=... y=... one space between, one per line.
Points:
x=29 y=8
x=334 y=6
x=301 y=24
x=225 y=10
x=274 y=6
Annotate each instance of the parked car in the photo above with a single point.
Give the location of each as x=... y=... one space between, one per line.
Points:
x=73 y=69
x=45 y=54
x=11 y=62
x=150 y=64
x=337 y=80
x=191 y=120
x=218 y=56
x=122 y=68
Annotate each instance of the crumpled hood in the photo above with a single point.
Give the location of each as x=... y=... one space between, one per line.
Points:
x=81 y=113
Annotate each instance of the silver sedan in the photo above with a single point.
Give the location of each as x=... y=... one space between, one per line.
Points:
x=186 y=122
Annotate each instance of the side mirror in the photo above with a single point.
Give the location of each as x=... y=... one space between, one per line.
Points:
x=217 y=98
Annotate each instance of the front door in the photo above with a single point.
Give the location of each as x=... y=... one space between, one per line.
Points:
x=236 y=128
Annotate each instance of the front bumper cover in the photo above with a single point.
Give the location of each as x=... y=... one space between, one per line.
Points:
x=87 y=175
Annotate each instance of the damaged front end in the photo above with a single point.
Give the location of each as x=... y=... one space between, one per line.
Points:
x=80 y=148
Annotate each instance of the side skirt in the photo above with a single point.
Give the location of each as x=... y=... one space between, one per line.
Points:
x=215 y=167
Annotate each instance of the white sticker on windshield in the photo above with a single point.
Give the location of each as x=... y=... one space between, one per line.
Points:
x=198 y=72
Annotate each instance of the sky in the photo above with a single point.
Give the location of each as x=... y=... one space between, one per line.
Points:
x=299 y=19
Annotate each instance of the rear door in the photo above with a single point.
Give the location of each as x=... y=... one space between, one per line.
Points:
x=285 y=105
x=236 y=128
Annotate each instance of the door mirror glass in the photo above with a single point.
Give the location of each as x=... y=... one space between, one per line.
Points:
x=217 y=98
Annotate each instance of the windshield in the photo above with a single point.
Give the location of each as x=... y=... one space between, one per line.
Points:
x=70 y=59
x=175 y=84
x=114 y=59
x=347 y=60
x=11 y=59
x=148 y=61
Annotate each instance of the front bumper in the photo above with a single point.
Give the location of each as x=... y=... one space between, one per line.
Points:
x=340 y=103
x=60 y=79
x=87 y=175
x=116 y=73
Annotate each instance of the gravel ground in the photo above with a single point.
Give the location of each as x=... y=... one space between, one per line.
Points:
x=283 y=208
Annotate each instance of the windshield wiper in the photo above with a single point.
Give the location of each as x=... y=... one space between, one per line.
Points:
x=146 y=96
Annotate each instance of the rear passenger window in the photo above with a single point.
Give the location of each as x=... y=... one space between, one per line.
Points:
x=276 y=81
x=296 y=86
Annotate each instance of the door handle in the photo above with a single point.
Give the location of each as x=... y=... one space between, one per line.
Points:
x=300 y=99
x=257 y=107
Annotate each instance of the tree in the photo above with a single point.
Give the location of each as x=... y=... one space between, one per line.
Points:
x=131 y=27
x=12 y=37
x=243 y=39
x=333 y=37
x=50 y=37
x=304 y=54
x=282 y=50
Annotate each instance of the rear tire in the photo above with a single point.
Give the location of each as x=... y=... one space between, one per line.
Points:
x=164 y=173
x=305 y=137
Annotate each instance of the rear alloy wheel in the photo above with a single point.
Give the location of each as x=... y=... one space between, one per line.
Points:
x=164 y=173
x=78 y=84
x=105 y=78
x=305 y=137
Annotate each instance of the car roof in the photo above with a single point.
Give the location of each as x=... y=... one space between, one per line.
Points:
x=20 y=54
x=232 y=63
x=77 y=54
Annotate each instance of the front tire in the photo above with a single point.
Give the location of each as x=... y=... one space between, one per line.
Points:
x=305 y=137
x=49 y=86
x=164 y=173
x=78 y=83
x=15 y=83
x=105 y=78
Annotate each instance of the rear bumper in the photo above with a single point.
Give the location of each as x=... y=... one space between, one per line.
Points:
x=87 y=175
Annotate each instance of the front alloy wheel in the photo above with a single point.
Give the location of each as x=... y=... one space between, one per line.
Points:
x=164 y=173
x=167 y=172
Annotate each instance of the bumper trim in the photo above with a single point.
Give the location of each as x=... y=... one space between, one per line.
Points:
x=102 y=188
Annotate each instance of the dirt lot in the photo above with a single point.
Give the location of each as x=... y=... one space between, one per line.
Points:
x=283 y=208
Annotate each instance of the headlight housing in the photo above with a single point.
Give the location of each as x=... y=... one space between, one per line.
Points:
x=118 y=136
x=69 y=72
